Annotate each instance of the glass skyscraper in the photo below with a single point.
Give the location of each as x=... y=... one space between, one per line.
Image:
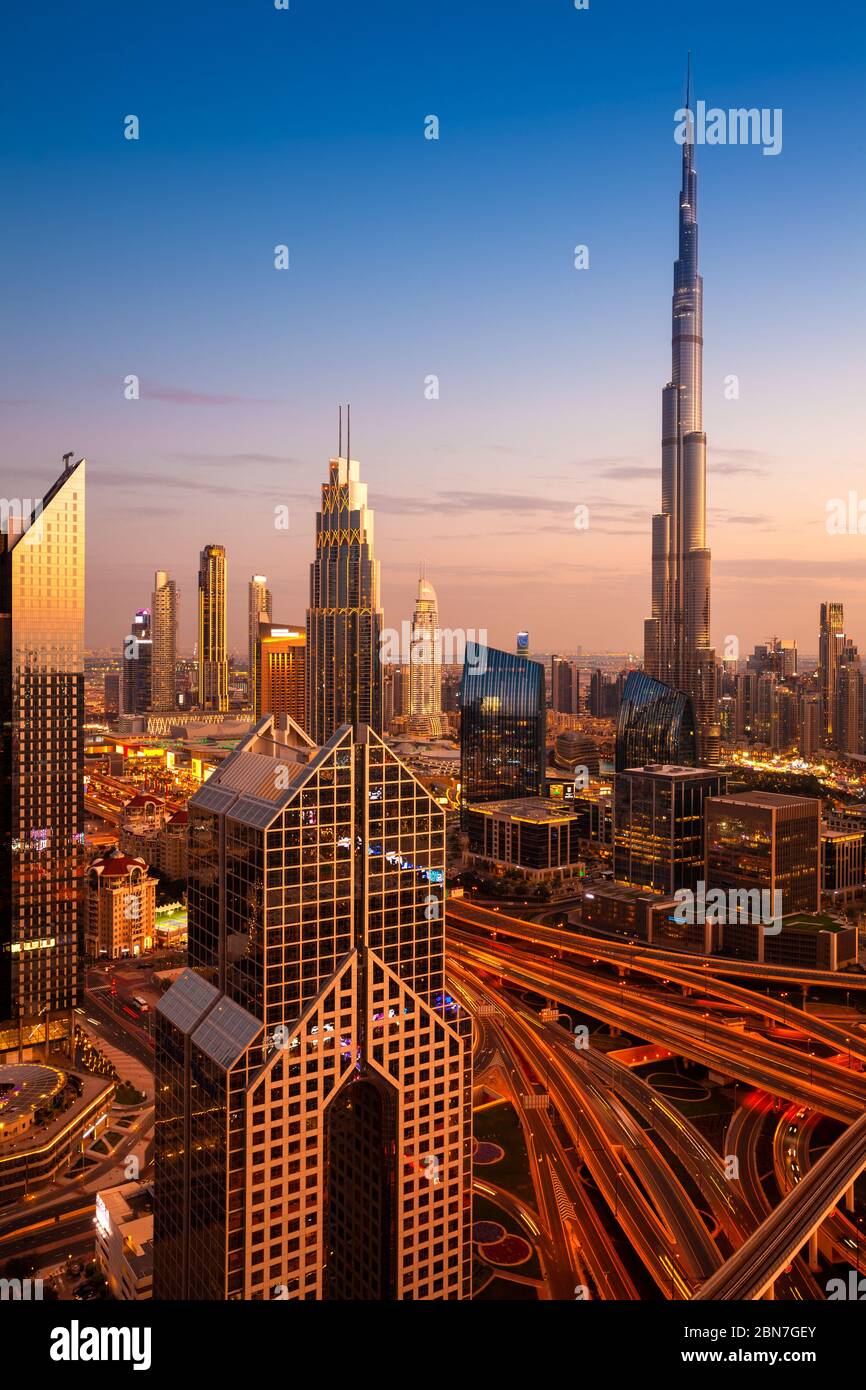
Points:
x=41 y=763
x=656 y=724
x=502 y=726
x=344 y=619
x=164 y=610
x=313 y=1079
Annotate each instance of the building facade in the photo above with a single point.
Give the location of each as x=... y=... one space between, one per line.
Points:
x=281 y=669
x=164 y=611
x=425 y=667
x=502 y=726
x=656 y=724
x=765 y=841
x=120 y=907
x=213 y=669
x=344 y=619
x=658 y=826
x=313 y=1079
x=677 y=646
x=259 y=610
x=137 y=670
x=42 y=763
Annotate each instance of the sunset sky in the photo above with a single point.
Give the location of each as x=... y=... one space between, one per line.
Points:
x=411 y=257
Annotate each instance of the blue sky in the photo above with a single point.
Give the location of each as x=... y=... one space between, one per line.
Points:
x=454 y=257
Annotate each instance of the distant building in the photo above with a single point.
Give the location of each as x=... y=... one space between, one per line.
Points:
x=842 y=864
x=831 y=640
x=564 y=685
x=658 y=830
x=120 y=907
x=213 y=670
x=656 y=725
x=164 y=610
x=280 y=670
x=111 y=697
x=806 y=941
x=138 y=665
x=124 y=1240
x=259 y=610
x=502 y=726
x=425 y=666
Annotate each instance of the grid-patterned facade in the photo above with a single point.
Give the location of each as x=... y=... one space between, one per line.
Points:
x=41 y=760
x=658 y=826
x=344 y=619
x=213 y=667
x=502 y=726
x=281 y=667
x=317 y=1137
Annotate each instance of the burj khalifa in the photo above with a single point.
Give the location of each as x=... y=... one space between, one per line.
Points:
x=677 y=637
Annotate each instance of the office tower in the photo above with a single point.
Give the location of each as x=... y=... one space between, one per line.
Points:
x=564 y=685
x=784 y=719
x=119 y=906
x=313 y=1079
x=810 y=725
x=111 y=695
x=831 y=638
x=279 y=663
x=677 y=637
x=137 y=667
x=502 y=726
x=425 y=666
x=658 y=828
x=849 y=700
x=344 y=619
x=41 y=763
x=596 y=694
x=768 y=841
x=259 y=609
x=656 y=724
x=213 y=670
x=164 y=611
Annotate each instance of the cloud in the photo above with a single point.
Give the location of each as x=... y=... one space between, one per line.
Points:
x=231 y=460
x=179 y=395
x=731 y=462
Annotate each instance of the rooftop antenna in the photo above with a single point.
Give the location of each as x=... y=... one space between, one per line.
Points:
x=348 y=434
x=340 y=442
x=66 y=458
x=689 y=81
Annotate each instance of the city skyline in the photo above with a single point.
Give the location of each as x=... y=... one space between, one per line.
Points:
x=540 y=400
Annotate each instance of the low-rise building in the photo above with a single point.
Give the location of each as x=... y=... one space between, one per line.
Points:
x=535 y=838
x=124 y=1239
x=119 y=908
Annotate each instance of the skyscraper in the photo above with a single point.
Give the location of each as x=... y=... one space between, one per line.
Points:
x=259 y=610
x=213 y=670
x=564 y=685
x=280 y=666
x=313 y=1079
x=425 y=671
x=41 y=762
x=137 y=667
x=344 y=619
x=677 y=647
x=164 y=614
x=831 y=640
x=502 y=726
x=656 y=724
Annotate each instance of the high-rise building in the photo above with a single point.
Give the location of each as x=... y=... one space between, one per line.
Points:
x=313 y=1078
x=111 y=694
x=41 y=763
x=213 y=670
x=658 y=827
x=656 y=724
x=502 y=726
x=425 y=667
x=765 y=840
x=677 y=637
x=564 y=685
x=259 y=610
x=164 y=614
x=280 y=670
x=831 y=639
x=848 y=726
x=810 y=725
x=344 y=619
x=138 y=665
